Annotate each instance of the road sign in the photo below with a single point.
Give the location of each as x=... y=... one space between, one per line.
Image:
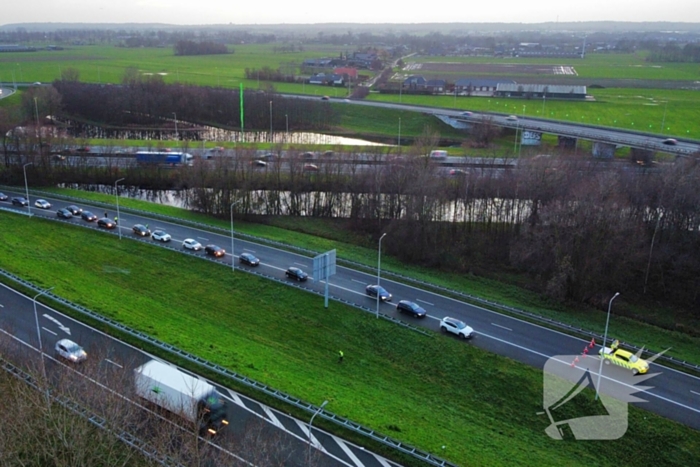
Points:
x=323 y=269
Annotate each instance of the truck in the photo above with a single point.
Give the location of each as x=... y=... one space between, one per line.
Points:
x=190 y=398
x=164 y=158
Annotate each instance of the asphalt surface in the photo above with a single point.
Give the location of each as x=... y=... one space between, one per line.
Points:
x=673 y=394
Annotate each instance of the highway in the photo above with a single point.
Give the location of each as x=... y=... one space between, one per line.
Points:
x=672 y=394
x=113 y=356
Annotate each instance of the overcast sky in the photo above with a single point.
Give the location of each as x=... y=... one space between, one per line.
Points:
x=356 y=11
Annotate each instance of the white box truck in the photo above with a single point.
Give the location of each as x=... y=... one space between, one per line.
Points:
x=191 y=398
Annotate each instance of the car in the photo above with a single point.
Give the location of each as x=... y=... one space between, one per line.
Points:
x=307 y=155
x=310 y=168
x=64 y=213
x=106 y=223
x=325 y=98
x=191 y=244
x=161 y=236
x=20 y=201
x=438 y=154
x=249 y=259
x=378 y=290
x=512 y=118
x=405 y=306
x=466 y=113
x=617 y=356
x=88 y=216
x=457 y=172
x=42 y=203
x=214 y=250
x=83 y=149
x=296 y=274
x=457 y=327
x=75 y=210
x=3 y=197
x=670 y=142
x=141 y=230
x=58 y=157
x=328 y=154
x=346 y=100
x=69 y=350
x=258 y=163
x=270 y=157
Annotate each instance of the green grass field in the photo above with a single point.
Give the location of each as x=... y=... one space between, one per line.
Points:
x=427 y=391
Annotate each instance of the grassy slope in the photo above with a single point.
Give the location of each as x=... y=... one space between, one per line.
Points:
x=326 y=234
x=481 y=406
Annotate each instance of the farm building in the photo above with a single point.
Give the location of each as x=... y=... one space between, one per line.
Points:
x=478 y=86
x=549 y=91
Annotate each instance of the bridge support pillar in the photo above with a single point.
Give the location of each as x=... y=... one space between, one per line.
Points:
x=531 y=138
x=567 y=142
x=604 y=150
x=641 y=156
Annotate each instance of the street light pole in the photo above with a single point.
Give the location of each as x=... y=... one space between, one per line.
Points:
x=379 y=269
x=233 y=263
x=605 y=337
x=38 y=335
x=399 y=135
x=308 y=452
x=270 y=121
x=116 y=193
x=26 y=187
x=663 y=120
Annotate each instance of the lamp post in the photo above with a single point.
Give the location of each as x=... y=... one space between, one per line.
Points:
x=233 y=263
x=116 y=193
x=379 y=269
x=663 y=120
x=26 y=187
x=399 y=135
x=175 y=115
x=308 y=452
x=270 y=121
x=36 y=113
x=605 y=336
x=38 y=335
x=286 y=124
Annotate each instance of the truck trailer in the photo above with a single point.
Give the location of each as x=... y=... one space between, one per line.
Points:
x=191 y=398
x=164 y=158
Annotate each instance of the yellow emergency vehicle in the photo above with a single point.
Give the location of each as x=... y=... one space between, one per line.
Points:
x=623 y=358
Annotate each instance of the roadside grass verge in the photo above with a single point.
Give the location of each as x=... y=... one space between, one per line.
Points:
x=427 y=391
x=508 y=289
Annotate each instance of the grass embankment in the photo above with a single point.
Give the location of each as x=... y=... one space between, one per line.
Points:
x=327 y=234
x=430 y=392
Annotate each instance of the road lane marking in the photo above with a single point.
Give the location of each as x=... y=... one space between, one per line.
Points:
x=113 y=363
x=309 y=435
x=203 y=238
x=355 y=280
x=348 y=452
x=272 y=418
x=502 y=327
x=48 y=330
x=300 y=264
x=423 y=301
x=698 y=393
x=60 y=325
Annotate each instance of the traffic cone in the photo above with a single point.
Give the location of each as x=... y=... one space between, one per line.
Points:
x=592 y=344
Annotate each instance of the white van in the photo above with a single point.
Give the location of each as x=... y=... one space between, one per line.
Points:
x=438 y=154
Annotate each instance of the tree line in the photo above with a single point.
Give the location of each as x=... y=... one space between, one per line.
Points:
x=184 y=47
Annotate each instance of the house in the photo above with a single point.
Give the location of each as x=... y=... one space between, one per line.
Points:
x=349 y=72
x=328 y=79
x=414 y=82
x=436 y=85
x=548 y=91
x=478 y=86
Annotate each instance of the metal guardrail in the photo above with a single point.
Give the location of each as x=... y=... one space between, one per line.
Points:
x=126 y=437
x=242 y=379
x=348 y=263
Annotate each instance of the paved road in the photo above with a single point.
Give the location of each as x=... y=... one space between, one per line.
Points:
x=17 y=318
x=675 y=395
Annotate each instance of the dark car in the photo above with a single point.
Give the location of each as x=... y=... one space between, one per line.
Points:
x=670 y=141
x=64 y=213
x=325 y=98
x=4 y=197
x=405 y=306
x=141 y=230
x=20 y=201
x=88 y=216
x=75 y=210
x=106 y=223
x=374 y=290
x=296 y=274
x=270 y=157
x=249 y=259
x=214 y=250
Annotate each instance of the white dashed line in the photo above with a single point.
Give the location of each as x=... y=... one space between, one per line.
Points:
x=113 y=363
x=355 y=280
x=502 y=327
x=423 y=301
x=697 y=393
x=48 y=330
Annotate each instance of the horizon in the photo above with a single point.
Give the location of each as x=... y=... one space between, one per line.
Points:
x=362 y=12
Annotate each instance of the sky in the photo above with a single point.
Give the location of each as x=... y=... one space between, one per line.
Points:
x=194 y=12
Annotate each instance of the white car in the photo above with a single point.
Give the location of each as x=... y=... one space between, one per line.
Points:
x=69 y=350
x=512 y=118
x=161 y=236
x=191 y=244
x=42 y=203
x=457 y=327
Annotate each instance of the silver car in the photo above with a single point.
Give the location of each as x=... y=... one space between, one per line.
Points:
x=69 y=350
